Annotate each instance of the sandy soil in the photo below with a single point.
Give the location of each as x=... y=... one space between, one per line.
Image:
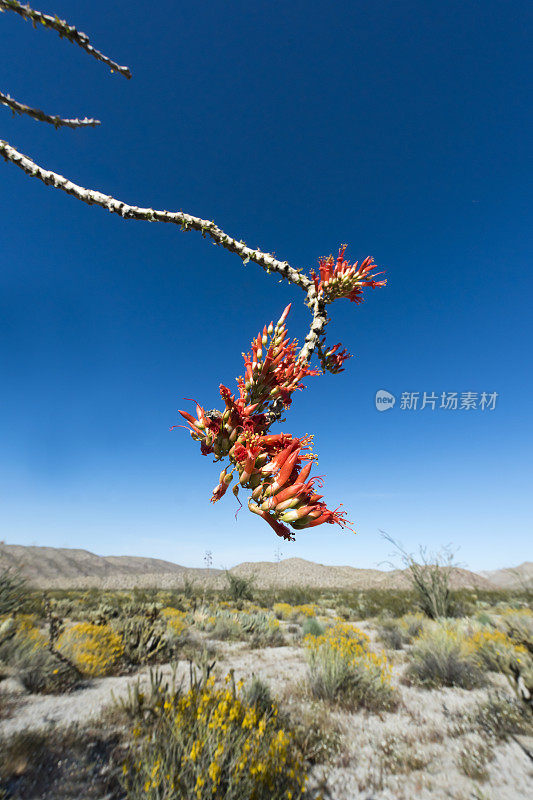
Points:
x=400 y=755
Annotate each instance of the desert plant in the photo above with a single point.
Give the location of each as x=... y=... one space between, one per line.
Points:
x=496 y=651
x=413 y=625
x=430 y=578
x=29 y=653
x=14 y=590
x=145 y=702
x=41 y=672
x=257 y=693
x=312 y=627
x=143 y=638
x=212 y=743
x=518 y=625
x=93 y=649
x=239 y=587
x=501 y=716
x=176 y=626
x=474 y=757
x=344 y=671
x=317 y=735
x=392 y=633
x=443 y=657
x=20 y=637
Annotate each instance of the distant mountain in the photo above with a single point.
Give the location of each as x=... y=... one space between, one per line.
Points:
x=512 y=577
x=60 y=567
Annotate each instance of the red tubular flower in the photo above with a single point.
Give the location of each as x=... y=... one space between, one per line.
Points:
x=339 y=278
x=332 y=361
x=275 y=467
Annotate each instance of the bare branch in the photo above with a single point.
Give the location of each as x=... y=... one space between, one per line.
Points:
x=36 y=113
x=64 y=30
x=186 y=221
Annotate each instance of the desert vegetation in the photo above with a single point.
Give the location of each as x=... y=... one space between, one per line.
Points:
x=242 y=692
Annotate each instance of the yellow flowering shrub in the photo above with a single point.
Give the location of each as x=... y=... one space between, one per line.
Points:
x=28 y=635
x=343 y=669
x=444 y=655
x=94 y=649
x=175 y=621
x=209 y=743
x=283 y=610
x=495 y=650
x=287 y=612
x=518 y=625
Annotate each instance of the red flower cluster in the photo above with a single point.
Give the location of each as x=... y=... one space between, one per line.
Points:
x=270 y=465
x=339 y=278
x=333 y=359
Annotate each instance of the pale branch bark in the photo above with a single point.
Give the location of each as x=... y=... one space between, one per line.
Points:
x=186 y=221
x=36 y=113
x=319 y=322
x=64 y=30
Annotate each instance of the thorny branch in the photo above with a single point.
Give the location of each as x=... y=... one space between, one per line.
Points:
x=64 y=30
x=36 y=113
x=186 y=221
x=335 y=282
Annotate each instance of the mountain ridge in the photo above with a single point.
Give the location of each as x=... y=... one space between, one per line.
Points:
x=61 y=567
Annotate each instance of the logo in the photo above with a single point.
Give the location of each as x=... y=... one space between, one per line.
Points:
x=384 y=400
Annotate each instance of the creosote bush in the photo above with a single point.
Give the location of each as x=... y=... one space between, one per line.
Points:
x=209 y=743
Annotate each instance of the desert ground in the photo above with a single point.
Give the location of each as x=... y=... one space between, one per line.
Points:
x=328 y=693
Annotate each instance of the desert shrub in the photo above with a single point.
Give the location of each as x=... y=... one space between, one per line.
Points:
x=212 y=743
x=19 y=638
x=283 y=611
x=176 y=624
x=344 y=612
x=413 y=625
x=496 y=651
x=143 y=702
x=399 y=754
x=474 y=757
x=500 y=716
x=226 y=626
x=14 y=590
x=312 y=627
x=443 y=657
x=343 y=670
x=263 y=628
x=239 y=587
x=26 y=651
x=144 y=638
x=286 y=611
x=316 y=734
x=518 y=625
x=41 y=672
x=257 y=694
x=93 y=649
x=392 y=633
x=430 y=579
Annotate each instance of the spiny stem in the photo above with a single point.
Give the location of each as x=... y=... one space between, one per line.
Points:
x=64 y=30
x=36 y=113
x=186 y=221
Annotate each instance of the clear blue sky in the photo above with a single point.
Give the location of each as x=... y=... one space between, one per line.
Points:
x=403 y=129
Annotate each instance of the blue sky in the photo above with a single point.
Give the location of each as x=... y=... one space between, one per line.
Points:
x=400 y=128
